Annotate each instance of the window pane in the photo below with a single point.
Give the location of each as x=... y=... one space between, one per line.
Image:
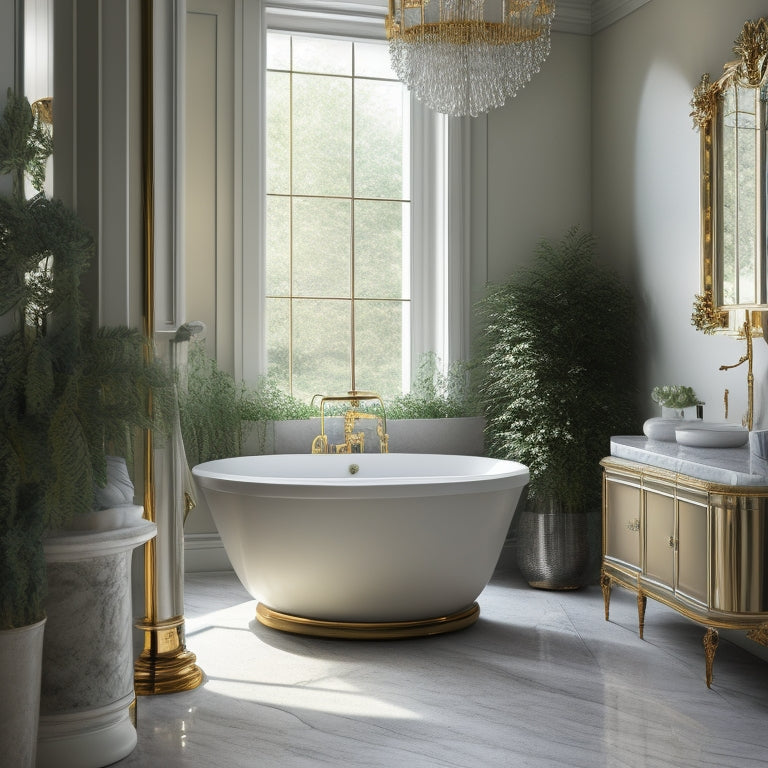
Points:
x=322 y=55
x=372 y=60
x=278 y=50
x=322 y=138
x=278 y=133
x=729 y=191
x=381 y=160
x=321 y=351
x=380 y=260
x=276 y=318
x=379 y=346
x=278 y=246
x=321 y=247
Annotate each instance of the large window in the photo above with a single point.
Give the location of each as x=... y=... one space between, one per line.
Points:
x=337 y=253
x=352 y=203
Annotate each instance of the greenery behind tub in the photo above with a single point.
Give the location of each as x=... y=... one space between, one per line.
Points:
x=216 y=410
x=559 y=371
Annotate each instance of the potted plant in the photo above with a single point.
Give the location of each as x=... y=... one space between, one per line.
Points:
x=558 y=378
x=69 y=397
x=676 y=401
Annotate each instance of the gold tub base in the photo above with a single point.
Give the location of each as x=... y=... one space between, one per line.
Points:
x=367 y=630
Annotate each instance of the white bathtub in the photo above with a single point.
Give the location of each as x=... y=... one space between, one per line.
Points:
x=363 y=538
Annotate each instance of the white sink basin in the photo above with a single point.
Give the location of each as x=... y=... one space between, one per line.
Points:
x=708 y=434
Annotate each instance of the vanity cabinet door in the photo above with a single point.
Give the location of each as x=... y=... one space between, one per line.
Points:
x=692 y=547
x=622 y=521
x=659 y=527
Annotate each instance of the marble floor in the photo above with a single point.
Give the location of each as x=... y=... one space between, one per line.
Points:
x=540 y=680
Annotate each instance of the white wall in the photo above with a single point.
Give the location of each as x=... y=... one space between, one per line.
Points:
x=645 y=188
x=538 y=165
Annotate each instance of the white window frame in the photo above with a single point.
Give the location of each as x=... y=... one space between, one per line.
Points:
x=440 y=185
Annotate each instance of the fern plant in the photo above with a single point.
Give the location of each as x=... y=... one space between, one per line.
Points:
x=559 y=370
x=216 y=410
x=68 y=394
x=435 y=395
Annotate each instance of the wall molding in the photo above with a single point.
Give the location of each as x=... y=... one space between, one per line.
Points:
x=607 y=12
x=580 y=17
x=573 y=16
x=204 y=552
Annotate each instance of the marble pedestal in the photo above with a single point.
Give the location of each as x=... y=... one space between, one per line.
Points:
x=87 y=678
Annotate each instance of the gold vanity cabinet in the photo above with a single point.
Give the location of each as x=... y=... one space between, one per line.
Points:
x=674 y=527
x=622 y=493
x=699 y=548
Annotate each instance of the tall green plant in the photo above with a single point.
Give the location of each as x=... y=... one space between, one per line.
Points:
x=559 y=370
x=68 y=394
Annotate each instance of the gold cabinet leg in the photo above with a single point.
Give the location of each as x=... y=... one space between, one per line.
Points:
x=759 y=634
x=605 y=584
x=711 y=639
x=642 y=601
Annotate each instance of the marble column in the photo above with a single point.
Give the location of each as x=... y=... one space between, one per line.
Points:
x=87 y=680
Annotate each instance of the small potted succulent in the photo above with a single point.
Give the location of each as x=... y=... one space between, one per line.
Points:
x=677 y=401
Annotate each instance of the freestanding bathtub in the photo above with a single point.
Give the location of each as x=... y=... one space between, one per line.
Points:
x=363 y=545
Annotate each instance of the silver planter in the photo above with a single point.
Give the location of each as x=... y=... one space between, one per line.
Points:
x=553 y=548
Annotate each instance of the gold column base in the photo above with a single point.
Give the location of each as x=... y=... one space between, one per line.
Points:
x=367 y=630
x=165 y=665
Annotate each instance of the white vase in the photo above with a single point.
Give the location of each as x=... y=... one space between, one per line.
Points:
x=87 y=678
x=683 y=414
x=20 y=662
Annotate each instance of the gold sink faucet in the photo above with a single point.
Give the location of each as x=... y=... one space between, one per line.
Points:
x=750 y=375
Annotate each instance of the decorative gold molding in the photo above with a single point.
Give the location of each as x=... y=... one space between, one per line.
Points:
x=751 y=47
x=703 y=102
x=759 y=634
x=43 y=110
x=748 y=70
x=705 y=317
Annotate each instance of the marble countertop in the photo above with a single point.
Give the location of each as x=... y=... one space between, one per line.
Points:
x=726 y=466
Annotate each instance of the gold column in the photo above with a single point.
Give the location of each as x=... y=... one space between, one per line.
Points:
x=165 y=665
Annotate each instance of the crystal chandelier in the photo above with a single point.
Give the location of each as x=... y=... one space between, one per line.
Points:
x=460 y=63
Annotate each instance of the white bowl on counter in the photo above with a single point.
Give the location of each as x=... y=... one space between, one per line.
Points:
x=707 y=434
x=662 y=428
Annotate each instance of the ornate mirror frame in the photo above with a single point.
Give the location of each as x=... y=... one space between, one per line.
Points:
x=733 y=221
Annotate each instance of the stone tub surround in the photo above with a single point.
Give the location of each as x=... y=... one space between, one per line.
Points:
x=540 y=681
x=727 y=466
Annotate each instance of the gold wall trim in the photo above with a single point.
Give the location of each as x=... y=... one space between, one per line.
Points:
x=165 y=665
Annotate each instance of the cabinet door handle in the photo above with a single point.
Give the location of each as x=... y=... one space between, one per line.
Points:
x=633 y=525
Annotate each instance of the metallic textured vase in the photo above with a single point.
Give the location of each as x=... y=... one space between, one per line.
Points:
x=553 y=549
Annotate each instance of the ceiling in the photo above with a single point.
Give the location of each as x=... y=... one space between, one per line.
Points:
x=585 y=17
x=581 y=17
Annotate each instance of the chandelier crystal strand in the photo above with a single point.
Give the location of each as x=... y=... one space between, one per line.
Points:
x=459 y=62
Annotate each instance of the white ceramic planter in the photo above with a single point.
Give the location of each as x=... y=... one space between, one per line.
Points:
x=87 y=678
x=20 y=661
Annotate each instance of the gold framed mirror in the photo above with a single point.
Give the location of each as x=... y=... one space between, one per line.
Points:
x=731 y=114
